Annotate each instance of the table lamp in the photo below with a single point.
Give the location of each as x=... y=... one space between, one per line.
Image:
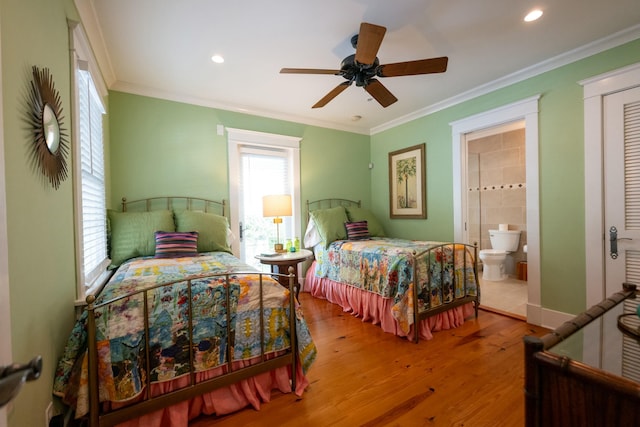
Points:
x=277 y=206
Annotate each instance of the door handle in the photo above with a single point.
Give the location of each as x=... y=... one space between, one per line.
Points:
x=613 y=239
x=13 y=376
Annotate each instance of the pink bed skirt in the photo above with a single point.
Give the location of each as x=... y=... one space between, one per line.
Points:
x=377 y=310
x=249 y=392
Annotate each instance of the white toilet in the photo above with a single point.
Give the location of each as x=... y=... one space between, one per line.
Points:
x=493 y=260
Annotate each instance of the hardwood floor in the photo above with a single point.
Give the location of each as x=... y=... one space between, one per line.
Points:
x=470 y=376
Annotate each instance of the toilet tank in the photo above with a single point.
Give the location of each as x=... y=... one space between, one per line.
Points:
x=505 y=240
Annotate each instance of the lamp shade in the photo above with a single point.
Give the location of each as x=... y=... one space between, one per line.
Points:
x=276 y=205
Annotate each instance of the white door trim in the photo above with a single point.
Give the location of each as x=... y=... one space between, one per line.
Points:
x=527 y=110
x=5 y=307
x=238 y=137
x=595 y=89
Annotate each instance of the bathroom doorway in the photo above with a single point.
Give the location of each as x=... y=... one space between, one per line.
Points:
x=525 y=110
x=496 y=181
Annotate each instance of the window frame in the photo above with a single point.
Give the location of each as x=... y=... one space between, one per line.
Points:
x=237 y=138
x=82 y=58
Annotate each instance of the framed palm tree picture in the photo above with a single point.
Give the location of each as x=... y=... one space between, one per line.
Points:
x=407 y=183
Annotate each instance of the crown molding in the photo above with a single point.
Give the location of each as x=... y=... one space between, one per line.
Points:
x=204 y=102
x=89 y=20
x=609 y=42
x=89 y=23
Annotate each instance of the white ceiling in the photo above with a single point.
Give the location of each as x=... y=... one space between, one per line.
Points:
x=162 y=48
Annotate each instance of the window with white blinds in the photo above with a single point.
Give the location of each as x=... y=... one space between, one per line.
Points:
x=261 y=164
x=92 y=220
x=88 y=166
x=263 y=171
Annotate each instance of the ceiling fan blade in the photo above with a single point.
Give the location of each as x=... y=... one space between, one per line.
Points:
x=412 y=68
x=369 y=41
x=335 y=92
x=380 y=93
x=308 y=71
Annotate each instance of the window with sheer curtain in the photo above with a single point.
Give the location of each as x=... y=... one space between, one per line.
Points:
x=91 y=221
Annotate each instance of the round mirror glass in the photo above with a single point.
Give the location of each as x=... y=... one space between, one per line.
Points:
x=50 y=128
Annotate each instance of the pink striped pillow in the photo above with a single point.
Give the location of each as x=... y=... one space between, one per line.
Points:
x=357 y=230
x=175 y=244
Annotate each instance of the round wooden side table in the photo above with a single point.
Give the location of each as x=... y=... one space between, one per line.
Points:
x=281 y=262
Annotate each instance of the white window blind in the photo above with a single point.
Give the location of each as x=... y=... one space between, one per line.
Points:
x=263 y=171
x=92 y=221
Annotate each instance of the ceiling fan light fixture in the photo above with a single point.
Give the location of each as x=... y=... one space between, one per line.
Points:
x=363 y=67
x=533 y=15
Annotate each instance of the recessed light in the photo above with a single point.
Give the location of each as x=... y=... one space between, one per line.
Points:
x=217 y=59
x=533 y=15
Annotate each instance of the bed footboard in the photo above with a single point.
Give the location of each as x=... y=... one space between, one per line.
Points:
x=148 y=403
x=444 y=276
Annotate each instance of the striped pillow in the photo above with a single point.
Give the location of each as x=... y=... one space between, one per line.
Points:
x=357 y=230
x=174 y=244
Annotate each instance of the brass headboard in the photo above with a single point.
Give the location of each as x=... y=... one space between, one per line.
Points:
x=179 y=202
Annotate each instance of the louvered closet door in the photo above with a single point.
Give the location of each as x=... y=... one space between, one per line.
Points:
x=622 y=217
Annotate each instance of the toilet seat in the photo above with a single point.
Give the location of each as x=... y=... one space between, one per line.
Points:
x=492 y=253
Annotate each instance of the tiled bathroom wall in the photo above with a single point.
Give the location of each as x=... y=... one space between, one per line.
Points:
x=497 y=189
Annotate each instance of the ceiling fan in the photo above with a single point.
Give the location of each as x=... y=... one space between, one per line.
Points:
x=364 y=66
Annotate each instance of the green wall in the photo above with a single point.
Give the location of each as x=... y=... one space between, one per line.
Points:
x=39 y=218
x=165 y=148
x=160 y=147
x=561 y=162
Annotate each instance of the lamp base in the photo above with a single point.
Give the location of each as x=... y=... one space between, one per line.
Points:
x=278 y=247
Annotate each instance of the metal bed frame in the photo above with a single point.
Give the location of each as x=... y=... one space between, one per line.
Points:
x=419 y=315
x=148 y=404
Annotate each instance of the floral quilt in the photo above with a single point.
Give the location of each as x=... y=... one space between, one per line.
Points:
x=121 y=325
x=384 y=266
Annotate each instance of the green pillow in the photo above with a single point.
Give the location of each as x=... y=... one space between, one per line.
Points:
x=330 y=224
x=212 y=229
x=362 y=214
x=133 y=233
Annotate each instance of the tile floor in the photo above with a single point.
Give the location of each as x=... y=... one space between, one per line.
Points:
x=509 y=295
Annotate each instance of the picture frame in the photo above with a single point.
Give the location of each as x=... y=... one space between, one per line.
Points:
x=408 y=183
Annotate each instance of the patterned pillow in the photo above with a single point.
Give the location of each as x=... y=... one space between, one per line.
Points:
x=357 y=230
x=174 y=244
x=362 y=214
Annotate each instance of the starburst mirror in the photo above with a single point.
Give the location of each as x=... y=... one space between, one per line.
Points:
x=49 y=146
